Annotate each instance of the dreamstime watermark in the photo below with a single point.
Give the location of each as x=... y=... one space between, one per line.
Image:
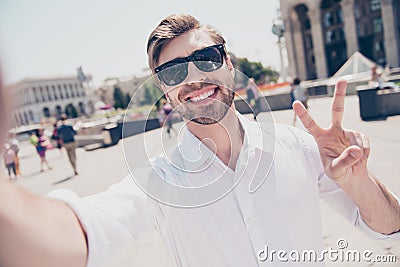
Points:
x=339 y=254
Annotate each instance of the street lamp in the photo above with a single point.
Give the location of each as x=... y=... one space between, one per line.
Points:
x=278 y=28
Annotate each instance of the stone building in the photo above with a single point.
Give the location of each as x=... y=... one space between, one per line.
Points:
x=128 y=85
x=33 y=99
x=322 y=34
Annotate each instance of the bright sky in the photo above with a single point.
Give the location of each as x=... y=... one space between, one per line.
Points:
x=108 y=38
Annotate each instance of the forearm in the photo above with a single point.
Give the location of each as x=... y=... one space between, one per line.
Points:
x=35 y=231
x=377 y=206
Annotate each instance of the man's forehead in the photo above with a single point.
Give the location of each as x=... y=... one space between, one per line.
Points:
x=184 y=45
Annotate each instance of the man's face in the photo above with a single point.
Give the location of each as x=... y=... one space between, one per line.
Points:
x=203 y=97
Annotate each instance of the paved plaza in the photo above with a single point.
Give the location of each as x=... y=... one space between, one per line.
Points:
x=101 y=168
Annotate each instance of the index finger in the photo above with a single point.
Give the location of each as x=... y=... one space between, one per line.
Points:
x=338 y=103
x=306 y=119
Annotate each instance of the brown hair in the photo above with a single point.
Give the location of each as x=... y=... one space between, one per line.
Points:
x=172 y=27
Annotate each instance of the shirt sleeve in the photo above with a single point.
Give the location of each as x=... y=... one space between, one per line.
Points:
x=332 y=194
x=112 y=219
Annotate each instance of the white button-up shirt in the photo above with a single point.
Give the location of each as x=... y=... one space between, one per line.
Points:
x=274 y=202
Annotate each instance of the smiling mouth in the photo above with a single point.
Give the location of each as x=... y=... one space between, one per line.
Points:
x=201 y=97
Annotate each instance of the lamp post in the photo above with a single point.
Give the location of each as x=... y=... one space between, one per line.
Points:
x=278 y=28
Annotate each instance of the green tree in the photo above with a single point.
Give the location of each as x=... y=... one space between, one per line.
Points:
x=71 y=111
x=127 y=99
x=151 y=94
x=119 y=98
x=254 y=70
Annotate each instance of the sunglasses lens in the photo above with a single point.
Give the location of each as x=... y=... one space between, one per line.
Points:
x=208 y=59
x=173 y=74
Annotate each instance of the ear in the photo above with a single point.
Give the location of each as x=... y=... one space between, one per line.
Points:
x=229 y=62
x=230 y=65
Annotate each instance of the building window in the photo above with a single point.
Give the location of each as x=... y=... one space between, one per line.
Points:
x=342 y=34
x=308 y=39
x=356 y=11
x=330 y=37
x=375 y=5
x=31 y=116
x=35 y=94
x=66 y=91
x=78 y=92
x=328 y=19
x=339 y=16
x=60 y=92
x=53 y=88
x=48 y=93
x=72 y=90
x=378 y=25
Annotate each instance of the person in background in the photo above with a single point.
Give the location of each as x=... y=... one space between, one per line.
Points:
x=33 y=139
x=67 y=133
x=55 y=136
x=253 y=99
x=14 y=144
x=376 y=78
x=9 y=161
x=41 y=148
x=168 y=115
x=300 y=94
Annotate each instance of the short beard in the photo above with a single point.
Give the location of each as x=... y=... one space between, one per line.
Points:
x=209 y=114
x=219 y=112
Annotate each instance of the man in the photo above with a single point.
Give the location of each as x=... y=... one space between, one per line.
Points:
x=253 y=98
x=300 y=94
x=67 y=133
x=282 y=212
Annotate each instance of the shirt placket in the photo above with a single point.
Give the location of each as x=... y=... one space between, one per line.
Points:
x=245 y=202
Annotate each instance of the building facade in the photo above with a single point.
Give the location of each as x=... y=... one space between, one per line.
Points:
x=128 y=85
x=322 y=34
x=33 y=99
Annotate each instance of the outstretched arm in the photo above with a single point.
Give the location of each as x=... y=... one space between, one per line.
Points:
x=37 y=231
x=344 y=155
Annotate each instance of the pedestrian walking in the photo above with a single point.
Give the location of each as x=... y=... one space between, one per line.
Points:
x=67 y=133
x=253 y=98
x=9 y=161
x=42 y=144
x=14 y=145
x=298 y=93
x=57 y=138
x=169 y=117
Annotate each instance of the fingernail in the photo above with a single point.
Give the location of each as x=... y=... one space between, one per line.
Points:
x=355 y=154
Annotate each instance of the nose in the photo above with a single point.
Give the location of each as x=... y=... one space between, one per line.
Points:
x=194 y=74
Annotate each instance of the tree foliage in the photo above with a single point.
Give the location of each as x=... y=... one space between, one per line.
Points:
x=152 y=94
x=254 y=70
x=71 y=111
x=121 y=100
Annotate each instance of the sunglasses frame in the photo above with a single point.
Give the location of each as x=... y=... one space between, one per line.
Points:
x=190 y=58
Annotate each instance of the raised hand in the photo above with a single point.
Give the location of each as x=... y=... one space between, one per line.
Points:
x=344 y=153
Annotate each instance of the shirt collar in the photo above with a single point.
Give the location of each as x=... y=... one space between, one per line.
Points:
x=257 y=136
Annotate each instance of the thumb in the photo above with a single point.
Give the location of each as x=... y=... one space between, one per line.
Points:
x=348 y=158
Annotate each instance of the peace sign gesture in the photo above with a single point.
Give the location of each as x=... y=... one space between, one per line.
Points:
x=344 y=153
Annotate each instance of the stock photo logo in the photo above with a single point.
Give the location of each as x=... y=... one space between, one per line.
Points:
x=181 y=166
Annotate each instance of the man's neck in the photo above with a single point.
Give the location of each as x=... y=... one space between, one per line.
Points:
x=225 y=138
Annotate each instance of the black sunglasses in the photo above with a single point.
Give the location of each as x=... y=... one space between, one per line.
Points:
x=207 y=59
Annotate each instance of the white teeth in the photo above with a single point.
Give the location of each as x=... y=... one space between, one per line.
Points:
x=203 y=96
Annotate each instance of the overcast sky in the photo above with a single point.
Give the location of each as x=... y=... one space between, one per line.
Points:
x=108 y=38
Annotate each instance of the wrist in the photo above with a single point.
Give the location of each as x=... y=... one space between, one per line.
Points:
x=351 y=181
